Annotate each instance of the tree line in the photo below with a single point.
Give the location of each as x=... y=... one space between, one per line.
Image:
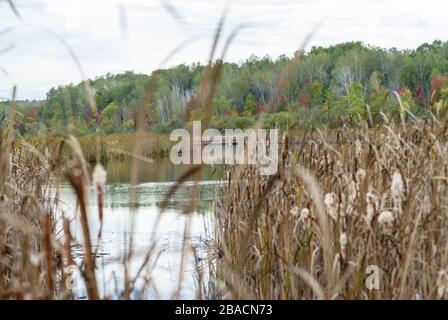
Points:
x=326 y=86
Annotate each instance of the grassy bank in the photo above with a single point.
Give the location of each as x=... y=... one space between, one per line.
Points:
x=336 y=213
x=109 y=147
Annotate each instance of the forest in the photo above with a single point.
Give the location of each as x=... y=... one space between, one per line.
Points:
x=327 y=86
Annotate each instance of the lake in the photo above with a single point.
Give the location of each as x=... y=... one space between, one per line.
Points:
x=154 y=182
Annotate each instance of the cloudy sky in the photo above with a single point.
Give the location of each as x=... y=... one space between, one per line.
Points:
x=118 y=35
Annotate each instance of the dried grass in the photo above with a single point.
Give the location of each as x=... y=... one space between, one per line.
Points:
x=315 y=230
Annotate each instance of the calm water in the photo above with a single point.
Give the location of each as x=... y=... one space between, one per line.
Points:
x=154 y=182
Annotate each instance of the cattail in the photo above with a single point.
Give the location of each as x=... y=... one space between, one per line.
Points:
x=285 y=147
x=330 y=203
x=99 y=176
x=371 y=204
x=294 y=211
x=360 y=176
x=343 y=241
x=386 y=218
x=67 y=242
x=35 y=259
x=229 y=177
x=396 y=191
x=99 y=180
x=76 y=180
x=358 y=148
x=329 y=199
x=397 y=186
x=305 y=216
x=352 y=191
x=442 y=284
x=48 y=251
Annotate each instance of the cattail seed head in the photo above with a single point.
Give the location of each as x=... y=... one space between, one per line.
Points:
x=99 y=180
x=352 y=191
x=330 y=203
x=99 y=176
x=304 y=216
x=294 y=211
x=386 y=218
x=358 y=148
x=442 y=284
x=397 y=186
x=329 y=199
x=360 y=175
x=397 y=191
x=343 y=241
x=371 y=205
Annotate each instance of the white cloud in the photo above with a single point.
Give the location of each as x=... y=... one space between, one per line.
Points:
x=39 y=61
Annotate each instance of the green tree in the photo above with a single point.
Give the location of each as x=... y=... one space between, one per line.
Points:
x=250 y=105
x=109 y=121
x=353 y=102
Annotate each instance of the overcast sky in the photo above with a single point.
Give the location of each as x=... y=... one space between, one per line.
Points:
x=118 y=35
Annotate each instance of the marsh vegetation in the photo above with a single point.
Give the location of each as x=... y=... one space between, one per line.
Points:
x=364 y=184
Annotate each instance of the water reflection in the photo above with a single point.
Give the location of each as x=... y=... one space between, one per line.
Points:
x=156 y=179
x=162 y=170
